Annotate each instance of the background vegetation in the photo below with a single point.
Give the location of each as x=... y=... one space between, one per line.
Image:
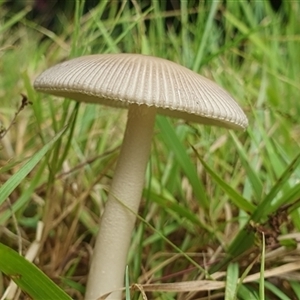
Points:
x=218 y=205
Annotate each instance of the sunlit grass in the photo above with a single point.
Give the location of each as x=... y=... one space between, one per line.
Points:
x=209 y=194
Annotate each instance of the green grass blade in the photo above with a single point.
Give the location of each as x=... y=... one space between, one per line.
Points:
x=296 y=288
x=205 y=36
x=25 y=196
x=13 y=20
x=28 y=277
x=235 y=197
x=242 y=242
x=170 y=138
x=262 y=209
x=276 y=292
x=127 y=287
x=247 y=293
x=262 y=270
x=232 y=278
x=288 y=198
x=8 y=187
x=180 y=210
x=245 y=238
x=252 y=175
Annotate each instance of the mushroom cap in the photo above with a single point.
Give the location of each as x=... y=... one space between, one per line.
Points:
x=121 y=79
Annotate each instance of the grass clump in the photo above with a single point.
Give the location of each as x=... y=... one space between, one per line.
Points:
x=212 y=198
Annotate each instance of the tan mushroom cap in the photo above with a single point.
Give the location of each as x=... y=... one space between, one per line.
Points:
x=121 y=79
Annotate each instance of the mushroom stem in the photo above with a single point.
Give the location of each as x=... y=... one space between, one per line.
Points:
x=113 y=240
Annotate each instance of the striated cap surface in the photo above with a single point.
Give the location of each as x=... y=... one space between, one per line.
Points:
x=121 y=79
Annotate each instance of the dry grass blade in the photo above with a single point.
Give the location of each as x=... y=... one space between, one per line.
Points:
x=188 y=286
x=275 y=272
x=209 y=285
x=30 y=255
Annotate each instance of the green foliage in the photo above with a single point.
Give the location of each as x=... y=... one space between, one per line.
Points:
x=10 y=185
x=209 y=193
x=232 y=278
x=28 y=277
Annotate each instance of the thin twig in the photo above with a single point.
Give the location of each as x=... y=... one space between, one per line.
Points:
x=24 y=103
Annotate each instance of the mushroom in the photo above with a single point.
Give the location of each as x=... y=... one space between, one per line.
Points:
x=145 y=85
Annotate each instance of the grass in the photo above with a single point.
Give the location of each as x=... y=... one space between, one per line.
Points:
x=210 y=195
